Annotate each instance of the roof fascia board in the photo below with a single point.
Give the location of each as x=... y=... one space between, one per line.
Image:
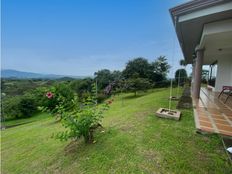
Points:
x=206 y=11
x=193 y=6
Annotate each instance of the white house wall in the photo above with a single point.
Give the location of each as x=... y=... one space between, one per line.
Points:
x=224 y=73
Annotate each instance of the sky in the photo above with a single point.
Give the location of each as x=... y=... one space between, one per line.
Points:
x=80 y=37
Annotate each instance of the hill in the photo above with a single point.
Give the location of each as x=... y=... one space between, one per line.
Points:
x=14 y=74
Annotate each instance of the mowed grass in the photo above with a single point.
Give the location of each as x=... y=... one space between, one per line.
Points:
x=17 y=122
x=133 y=140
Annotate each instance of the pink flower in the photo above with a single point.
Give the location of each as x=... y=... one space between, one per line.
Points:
x=49 y=95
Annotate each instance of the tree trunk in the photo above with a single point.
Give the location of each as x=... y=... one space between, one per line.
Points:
x=89 y=138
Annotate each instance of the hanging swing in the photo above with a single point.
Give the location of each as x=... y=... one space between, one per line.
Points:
x=167 y=112
x=178 y=86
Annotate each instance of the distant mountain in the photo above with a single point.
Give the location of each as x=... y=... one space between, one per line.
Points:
x=14 y=74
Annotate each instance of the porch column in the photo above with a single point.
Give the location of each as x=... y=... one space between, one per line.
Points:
x=197 y=75
x=193 y=74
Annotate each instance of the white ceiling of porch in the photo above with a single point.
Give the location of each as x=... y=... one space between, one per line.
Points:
x=217 y=41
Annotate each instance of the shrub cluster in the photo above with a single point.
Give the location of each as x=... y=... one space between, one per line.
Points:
x=26 y=105
x=19 y=106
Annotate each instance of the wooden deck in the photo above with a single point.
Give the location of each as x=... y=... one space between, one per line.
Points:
x=211 y=114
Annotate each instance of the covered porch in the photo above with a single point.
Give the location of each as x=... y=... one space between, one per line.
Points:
x=211 y=114
x=204 y=31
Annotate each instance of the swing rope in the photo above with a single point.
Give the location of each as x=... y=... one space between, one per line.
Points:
x=178 y=84
x=173 y=54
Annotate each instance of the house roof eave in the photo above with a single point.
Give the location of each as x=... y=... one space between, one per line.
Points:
x=188 y=8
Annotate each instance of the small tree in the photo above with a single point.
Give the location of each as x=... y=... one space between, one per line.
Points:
x=137 y=84
x=103 y=77
x=116 y=75
x=183 y=63
x=139 y=66
x=180 y=75
x=155 y=72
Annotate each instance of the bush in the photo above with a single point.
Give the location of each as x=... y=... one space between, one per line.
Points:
x=181 y=76
x=19 y=106
x=101 y=97
x=59 y=91
x=163 y=84
x=10 y=108
x=27 y=106
x=82 y=87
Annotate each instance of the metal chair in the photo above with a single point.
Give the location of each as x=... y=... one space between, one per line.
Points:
x=226 y=88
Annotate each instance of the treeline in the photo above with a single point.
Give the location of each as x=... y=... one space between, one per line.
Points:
x=138 y=75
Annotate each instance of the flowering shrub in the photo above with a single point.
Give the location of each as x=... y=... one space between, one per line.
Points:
x=81 y=119
x=49 y=95
x=54 y=98
x=109 y=88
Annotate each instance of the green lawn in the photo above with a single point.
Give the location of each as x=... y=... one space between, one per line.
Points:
x=134 y=140
x=16 y=122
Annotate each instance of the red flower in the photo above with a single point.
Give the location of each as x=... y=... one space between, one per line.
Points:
x=49 y=95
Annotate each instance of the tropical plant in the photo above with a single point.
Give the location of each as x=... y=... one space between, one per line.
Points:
x=160 y=68
x=183 y=62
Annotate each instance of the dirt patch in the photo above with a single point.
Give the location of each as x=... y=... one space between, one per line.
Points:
x=127 y=128
x=54 y=122
x=138 y=95
x=73 y=147
x=76 y=145
x=140 y=116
